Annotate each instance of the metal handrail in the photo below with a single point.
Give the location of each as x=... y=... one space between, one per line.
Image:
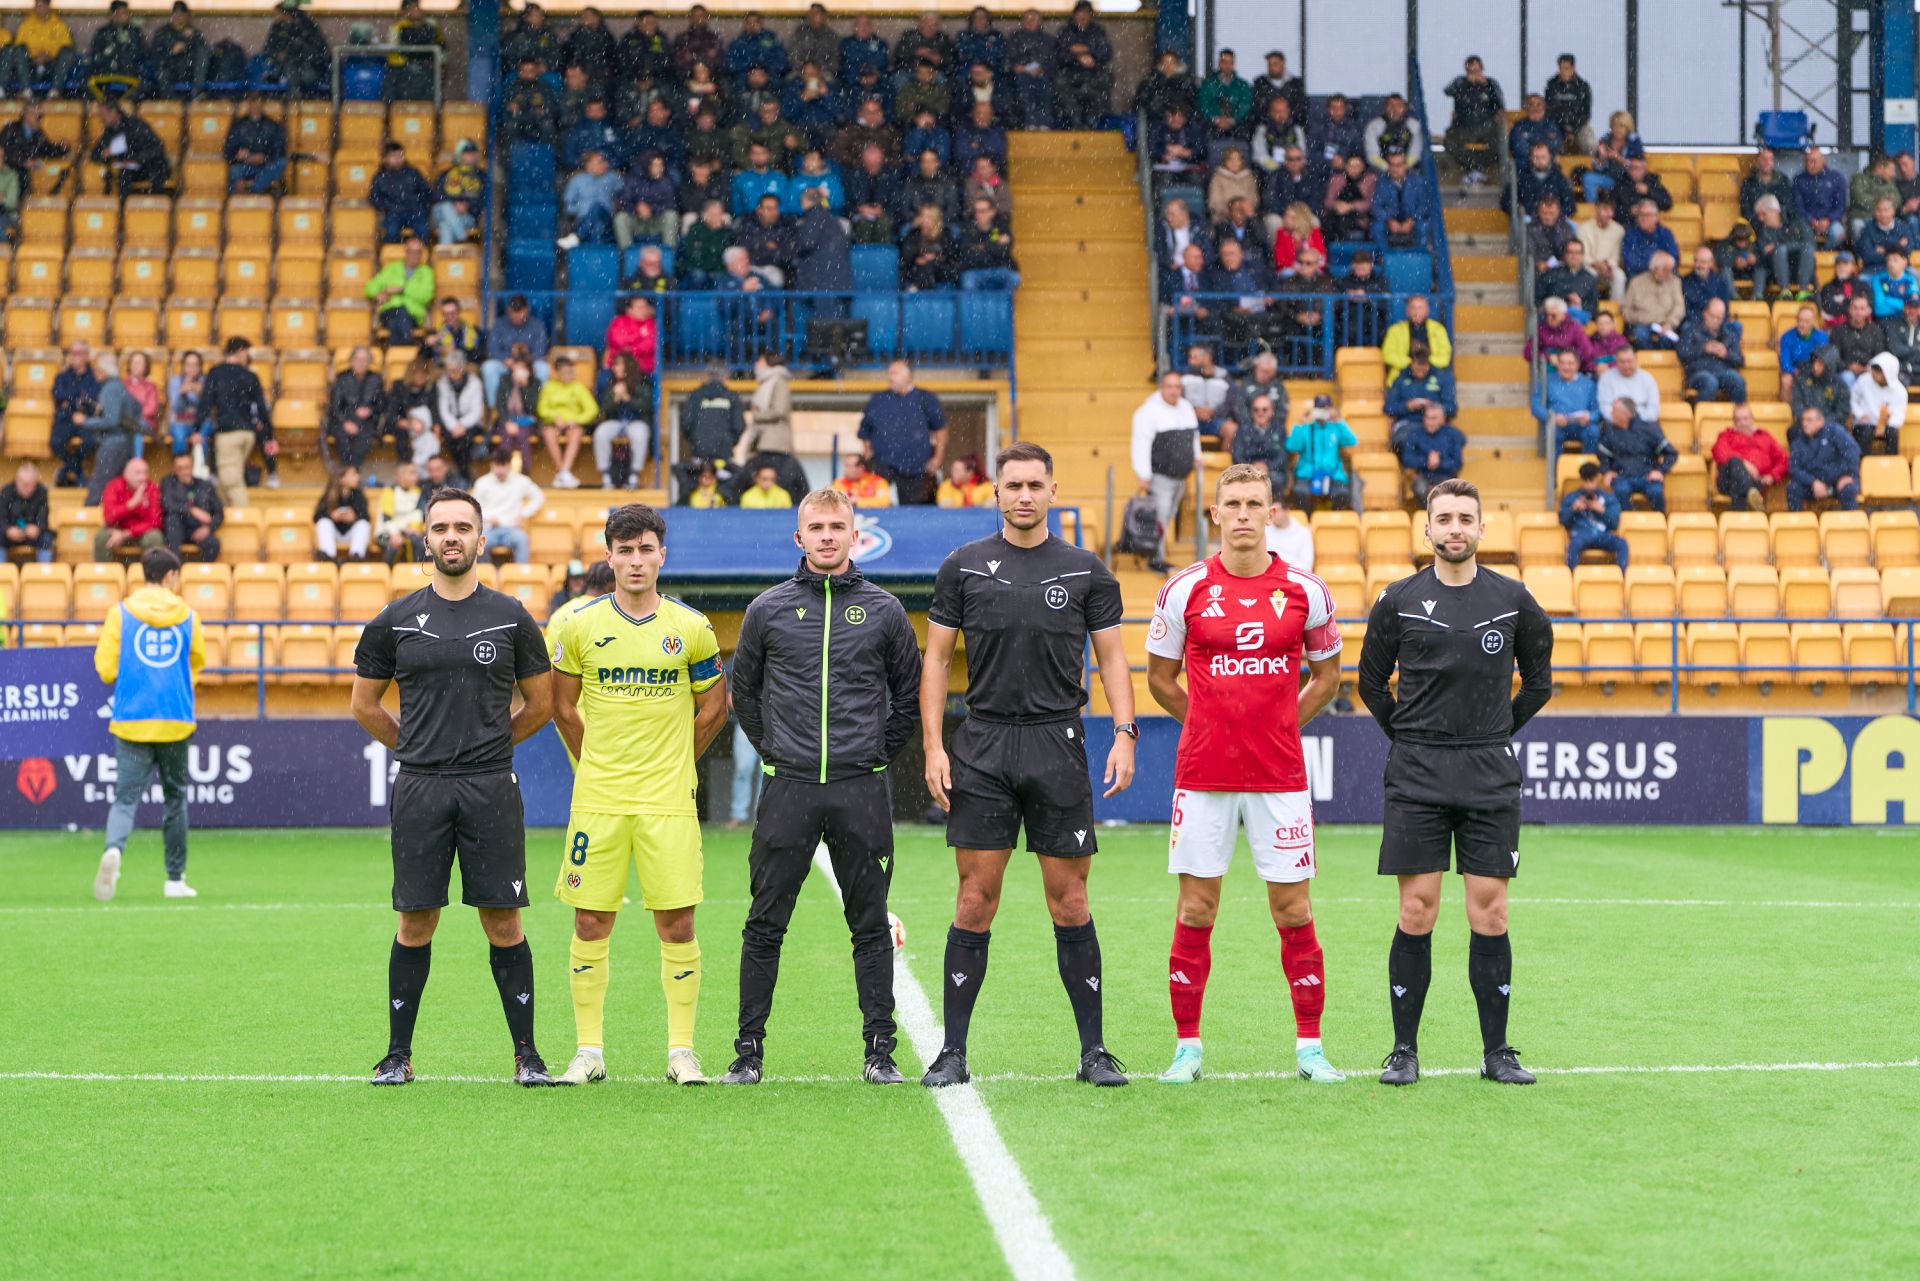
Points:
x=1143 y=176
x=1437 y=233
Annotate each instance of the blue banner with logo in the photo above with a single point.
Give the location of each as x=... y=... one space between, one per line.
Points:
x=1848 y=770
x=52 y=702
x=893 y=543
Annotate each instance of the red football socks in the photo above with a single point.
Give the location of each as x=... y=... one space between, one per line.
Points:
x=1187 y=966
x=1306 y=976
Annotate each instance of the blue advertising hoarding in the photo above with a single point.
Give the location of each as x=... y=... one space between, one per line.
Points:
x=891 y=544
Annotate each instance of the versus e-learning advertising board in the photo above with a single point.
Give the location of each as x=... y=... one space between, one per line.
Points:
x=59 y=765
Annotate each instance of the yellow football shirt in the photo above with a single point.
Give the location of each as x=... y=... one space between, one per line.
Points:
x=638 y=677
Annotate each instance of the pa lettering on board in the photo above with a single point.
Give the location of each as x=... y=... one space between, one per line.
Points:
x=1811 y=773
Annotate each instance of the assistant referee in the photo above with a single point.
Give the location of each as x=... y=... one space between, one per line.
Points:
x=825 y=679
x=1456 y=630
x=1027 y=603
x=457 y=650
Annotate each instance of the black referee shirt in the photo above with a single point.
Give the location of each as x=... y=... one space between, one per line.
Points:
x=1456 y=648
x=456 y=662
x=1026 y=613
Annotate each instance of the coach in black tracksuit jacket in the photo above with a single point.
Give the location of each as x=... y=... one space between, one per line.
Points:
x=826 y=684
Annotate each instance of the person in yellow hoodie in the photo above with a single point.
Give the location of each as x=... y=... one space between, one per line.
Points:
x=152 y=648
x=566 y=409
x=42 y=47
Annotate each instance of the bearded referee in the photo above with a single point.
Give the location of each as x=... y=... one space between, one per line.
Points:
x=457 y=650
x=1456 y=630
x=825 y=681
x=1027 y=603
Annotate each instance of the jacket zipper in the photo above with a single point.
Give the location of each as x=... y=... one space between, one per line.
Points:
x=826 y=639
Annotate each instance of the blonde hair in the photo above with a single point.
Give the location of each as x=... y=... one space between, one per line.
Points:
x=1621 y=120
x=1299 y=220
x=828 y=497
x=1241 y=474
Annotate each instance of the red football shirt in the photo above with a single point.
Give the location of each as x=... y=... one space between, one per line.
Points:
x=1242 y=640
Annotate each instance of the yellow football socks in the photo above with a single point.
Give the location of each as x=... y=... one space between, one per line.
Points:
x=680 y=979
x=588 y=963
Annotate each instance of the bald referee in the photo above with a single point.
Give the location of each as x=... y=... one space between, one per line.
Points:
x=1456 y=631
x=457 y=650
x=1028 y=603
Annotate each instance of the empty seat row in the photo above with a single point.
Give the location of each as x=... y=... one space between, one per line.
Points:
x=313 y=128
x=1721 y=653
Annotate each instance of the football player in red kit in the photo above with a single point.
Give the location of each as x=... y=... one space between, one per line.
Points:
x=1239 y=623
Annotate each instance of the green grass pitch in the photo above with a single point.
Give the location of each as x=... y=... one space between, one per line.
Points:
x=1655 y=948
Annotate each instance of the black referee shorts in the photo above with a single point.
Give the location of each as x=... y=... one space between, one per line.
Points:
x=1008 y=776
x=1458 y=802
x=476 y=818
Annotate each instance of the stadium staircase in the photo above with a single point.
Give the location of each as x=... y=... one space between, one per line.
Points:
x=1489 y=333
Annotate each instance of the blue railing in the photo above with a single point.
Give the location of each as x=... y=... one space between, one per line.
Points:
x=1437 y=231
x=1303 y=351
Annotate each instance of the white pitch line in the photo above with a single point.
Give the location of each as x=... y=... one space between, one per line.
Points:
x=1026 y=1237
x=1357 y=900
x=326 y=1078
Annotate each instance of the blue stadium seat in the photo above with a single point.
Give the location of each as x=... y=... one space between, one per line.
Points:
x=593 y=267
x=986 y=323
x=530 y=266
x=1195 y=198
x=1783 y=130
x=1340 y=255
x=1408 y=271
x=533 y=222
x=530 y=167
x=876 y=268
x=882 y=314
x=926 y=322
x=693 y=327
x=593 y=277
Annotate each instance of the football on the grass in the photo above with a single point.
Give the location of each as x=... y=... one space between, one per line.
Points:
x=899 y=931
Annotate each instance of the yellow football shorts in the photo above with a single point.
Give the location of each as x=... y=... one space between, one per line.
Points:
x=663 y=848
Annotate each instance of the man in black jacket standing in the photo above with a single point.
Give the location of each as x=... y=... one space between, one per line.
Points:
x=826 y=683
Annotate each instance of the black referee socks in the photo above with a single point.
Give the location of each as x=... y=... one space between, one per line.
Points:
x=1409 y=970
x=513 y=975
x=966 y=970
x=406 y=979
x=1077 y=949
x=1490 y=972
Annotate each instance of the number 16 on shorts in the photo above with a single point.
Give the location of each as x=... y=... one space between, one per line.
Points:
x=1206 y=827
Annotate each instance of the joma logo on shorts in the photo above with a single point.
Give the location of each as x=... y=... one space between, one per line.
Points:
x=640 y=675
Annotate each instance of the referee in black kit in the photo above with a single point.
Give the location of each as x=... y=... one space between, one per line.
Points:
x=1028 y=603
x=1452 y=783
x=824 y=680
x=458 y=650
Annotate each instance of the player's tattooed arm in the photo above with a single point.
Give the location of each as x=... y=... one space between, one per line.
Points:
x=1163 y=682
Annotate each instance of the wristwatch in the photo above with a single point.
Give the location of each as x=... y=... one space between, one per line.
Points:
x=1130 y=728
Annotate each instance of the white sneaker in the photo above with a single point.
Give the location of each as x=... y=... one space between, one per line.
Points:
x=683 y=1068
x=565 y=480
x=107 y=877
x=568 y=242
x=272 y=481
x=606 y=482
x=586 y=1067
x=633 y=481
x=180 y=889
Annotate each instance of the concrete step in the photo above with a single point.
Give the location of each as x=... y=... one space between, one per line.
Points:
x=1488 y=318
x=1475 y=219
x=1500 y=395
x=1112 y=313
x=1054 y=144
x=1056 y=216
x=1478 y=243
x=1511 y=370
x=1077 y=361
x=1489 y=293
x=1481 y=343
x=1486 y=269
x=1511 y=421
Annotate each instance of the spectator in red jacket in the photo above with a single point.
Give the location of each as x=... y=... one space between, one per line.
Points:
x=1749 y=461
x=130 y=512
x=634 y=332
x=1299 y=229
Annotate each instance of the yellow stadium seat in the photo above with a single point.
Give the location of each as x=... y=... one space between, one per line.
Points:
x=1371 y=432
x=529 y=585
x=203 y=176
x=413 y=125
x=303 y=227
x=197 y=223
x=43 y=221
x=208 y=589
x=1756 y=324
x=1693 y=538
x=143 y=273
x=29 y=323
x=1687 y=485
x=353 y=175
x=364 y=588
x=1336 y=538
x=1753 y=591
x=1380 y=576
x=295 y=323
x=1900 y=591
x=1876 y=653
x=1379 y=477
x=246 y=271
x=1650 y=591
x=1701 y=591
x=1805 y=592
x=345 y=639
x=1766 y=651
x=1569 y=654
x=195 y=273
x=83 y=320
x=1646 y=537
x=30 y=403
x=1677 y=423
x=468 y=120
x=1599 y=591
x=289 y=535
x=1566 y=474
x=1885 y=480
x=189 y=323
x=83 y=634
x=90 y=273
x=310 y=129
x=1745 y=539
x=349 y=322
x=1609 y=647
x=1796 y=538
x=243 y=536
x=1552 y=587
x=300 y=277
x=348 y=271
x=1385 y=536
x=1856 y=593
x=96 y=590
x=73 y=534
x=313 y=592
x=45 y=591
x=259 y=591
x=96 y=223
x=408 y=578
x=208 y=120
x=1498 y=543
x=1348 y=584
x=1896 y=538
x=248 y=649
x=1353 y=636
x=301 y=402
x=1817 y=646
x=1845 y=539
x=456 y=271
x=1654 y=652
x=41 y=636
x=134 y=323
x=312 y=176
x=1713 y=645
x=362 y=126
x=551 y=536
x=242 y=317
x=1539 y=539
x=250 y=221
x=307 y=647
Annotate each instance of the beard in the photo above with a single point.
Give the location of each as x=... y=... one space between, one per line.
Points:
x=453 y=560
x=1460 y=557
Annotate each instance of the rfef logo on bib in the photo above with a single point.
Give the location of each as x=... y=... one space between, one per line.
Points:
x=157 y=646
